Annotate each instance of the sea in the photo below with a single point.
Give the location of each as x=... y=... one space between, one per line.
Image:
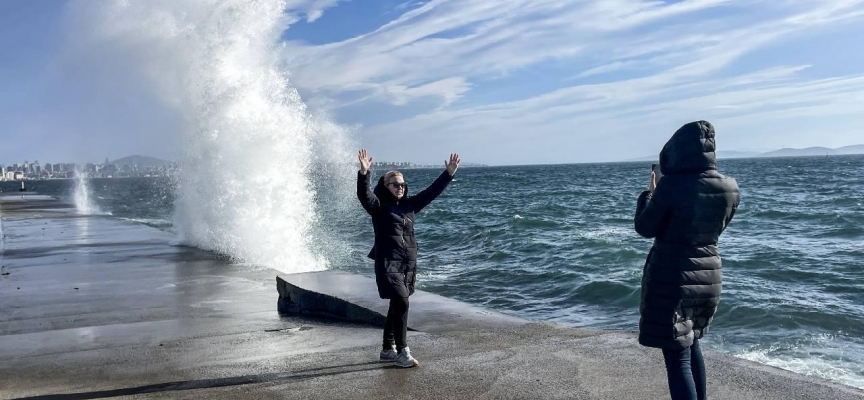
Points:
x=556 y=243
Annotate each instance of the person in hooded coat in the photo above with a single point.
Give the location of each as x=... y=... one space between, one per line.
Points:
x=684 y=212
x=395 y=250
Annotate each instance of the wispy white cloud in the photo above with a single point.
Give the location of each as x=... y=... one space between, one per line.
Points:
x=589 y=126
x=476 y=39
x=512 y=75
x=618 y=63
x=471 y=39
x=310 y=9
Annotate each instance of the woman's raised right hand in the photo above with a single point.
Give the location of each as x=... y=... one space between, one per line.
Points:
x=365 y=161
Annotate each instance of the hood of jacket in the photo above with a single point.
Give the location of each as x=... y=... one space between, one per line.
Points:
x=690 y=150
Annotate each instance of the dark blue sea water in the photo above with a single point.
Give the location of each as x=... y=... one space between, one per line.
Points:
x=556 y=243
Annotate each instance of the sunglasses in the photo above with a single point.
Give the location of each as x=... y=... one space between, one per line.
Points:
x=398 y=185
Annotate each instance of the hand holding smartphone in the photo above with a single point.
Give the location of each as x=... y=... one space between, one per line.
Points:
x=655 y=168
x=656 y=174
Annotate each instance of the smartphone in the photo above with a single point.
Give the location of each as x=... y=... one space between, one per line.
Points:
x=657 y=174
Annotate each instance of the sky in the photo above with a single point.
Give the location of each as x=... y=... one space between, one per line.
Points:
x=501 y=82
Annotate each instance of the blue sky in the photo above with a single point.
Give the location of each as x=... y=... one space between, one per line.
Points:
x=500 y=81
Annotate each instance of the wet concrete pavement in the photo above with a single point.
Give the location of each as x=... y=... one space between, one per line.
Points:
x=97 y=307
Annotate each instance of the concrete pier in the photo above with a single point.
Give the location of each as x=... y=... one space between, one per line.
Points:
x=97 y=307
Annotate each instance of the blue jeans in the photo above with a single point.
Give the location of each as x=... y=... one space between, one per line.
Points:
x=685 y=369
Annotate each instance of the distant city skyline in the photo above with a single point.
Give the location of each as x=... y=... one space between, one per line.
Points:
x=94 y=167
x=119 y=161
x=498 y=81
x=27 y=170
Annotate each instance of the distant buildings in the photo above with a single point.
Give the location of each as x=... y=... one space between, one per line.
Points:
x=36 y=171
x=11 y=176
x=392 y=165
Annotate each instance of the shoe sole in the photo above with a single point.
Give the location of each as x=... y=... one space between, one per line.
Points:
x=414 y=364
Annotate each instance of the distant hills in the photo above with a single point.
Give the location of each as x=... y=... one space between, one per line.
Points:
x=815 y=151
x=786 y=152
x=141 y=161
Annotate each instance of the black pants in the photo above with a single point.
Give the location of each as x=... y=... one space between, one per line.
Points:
x=396 y=327
x=685 y=370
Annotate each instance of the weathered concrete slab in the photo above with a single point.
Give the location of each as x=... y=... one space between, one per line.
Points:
x=94 y=307
x=355 y=298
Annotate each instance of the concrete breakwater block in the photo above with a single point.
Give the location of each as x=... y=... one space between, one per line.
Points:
x=354 y=298
x=294 y=299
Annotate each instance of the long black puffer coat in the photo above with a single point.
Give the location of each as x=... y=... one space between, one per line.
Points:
x=395 y=250
x=689 y=209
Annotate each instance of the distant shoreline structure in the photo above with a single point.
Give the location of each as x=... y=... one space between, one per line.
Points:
x=785 y=152
x=167 y=169
x=391 y=165
x=127 y=167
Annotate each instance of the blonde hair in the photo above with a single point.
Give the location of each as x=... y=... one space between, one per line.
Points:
x=389 y=175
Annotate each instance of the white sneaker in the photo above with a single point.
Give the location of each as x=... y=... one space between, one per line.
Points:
x=388 y=355
x=404 y=359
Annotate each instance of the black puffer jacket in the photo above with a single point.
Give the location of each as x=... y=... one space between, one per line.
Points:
x=395 y=250
x=686 y=214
